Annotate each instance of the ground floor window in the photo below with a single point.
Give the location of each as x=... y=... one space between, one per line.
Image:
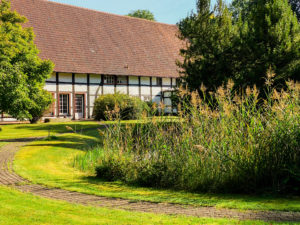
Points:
x=64 y=102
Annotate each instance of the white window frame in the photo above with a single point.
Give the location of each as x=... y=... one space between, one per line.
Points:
x=63 y=101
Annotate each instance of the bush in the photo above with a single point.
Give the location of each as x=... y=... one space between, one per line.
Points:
x=118 y=106
x=47 y=120
x=240 y=145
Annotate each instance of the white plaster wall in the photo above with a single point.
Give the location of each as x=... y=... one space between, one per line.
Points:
x=95 y=78
x=65 y=77
x=80 y=88
x=156 y=91
x=95 y=90
x=122 y=89
x=80 y=78
x=145 y=80
x=108 y=89
x=65 y=87
x=133 y=80
x=50 y=87
x=145 y=90
x=134 y=90
x=92 y=100
x=167 y=88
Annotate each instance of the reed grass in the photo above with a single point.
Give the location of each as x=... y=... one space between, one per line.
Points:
x=236 y=143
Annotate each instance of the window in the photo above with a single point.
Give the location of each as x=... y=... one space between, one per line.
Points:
x=109 y=80
x=64 y=104
x=122 y=80
x=159 y=81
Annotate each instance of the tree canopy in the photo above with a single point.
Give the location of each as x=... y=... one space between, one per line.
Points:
x=242 y=43
x=22 y=72
x=295 y=4
x=143 y=14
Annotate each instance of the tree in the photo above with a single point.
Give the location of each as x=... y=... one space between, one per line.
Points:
x=22 y=72
x=143 y=14
x=209 y=35
x=264 y=34
x=296 y=7
x=268 y=37
x=239 y=6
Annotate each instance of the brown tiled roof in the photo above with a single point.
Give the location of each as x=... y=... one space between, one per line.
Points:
x=81 y=40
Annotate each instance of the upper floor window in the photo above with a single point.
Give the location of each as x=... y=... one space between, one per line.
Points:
x=122 y=80
x=109 y=79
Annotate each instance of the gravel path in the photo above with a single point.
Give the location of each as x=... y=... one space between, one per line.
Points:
x=9 y=178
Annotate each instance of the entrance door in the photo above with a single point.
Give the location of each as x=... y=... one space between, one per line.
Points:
x=79 y=106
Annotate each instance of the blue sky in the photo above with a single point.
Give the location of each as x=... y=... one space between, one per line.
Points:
x=165 y=11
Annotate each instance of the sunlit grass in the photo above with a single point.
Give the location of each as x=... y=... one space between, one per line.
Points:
x=50 y=163
x=17 y=208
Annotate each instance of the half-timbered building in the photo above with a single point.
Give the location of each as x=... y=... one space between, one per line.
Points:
x=97 y=53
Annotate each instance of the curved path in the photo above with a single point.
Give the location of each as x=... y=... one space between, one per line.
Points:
x=9 y=178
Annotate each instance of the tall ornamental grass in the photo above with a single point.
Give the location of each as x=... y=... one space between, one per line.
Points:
x=232 y=143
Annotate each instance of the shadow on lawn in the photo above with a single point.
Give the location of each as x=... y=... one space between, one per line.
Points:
x=84 y=141
x=61 y=127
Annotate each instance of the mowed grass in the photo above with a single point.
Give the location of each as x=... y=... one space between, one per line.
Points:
x=50 y=163
x=20 y=208
x=42 y=129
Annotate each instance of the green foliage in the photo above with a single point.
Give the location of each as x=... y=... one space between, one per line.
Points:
x=243 y=46
x=207 y=56
x=237 y=147
x=268 y=37
x=22 y=72
x=295 y=4
x=113 y=106
x=143 y=14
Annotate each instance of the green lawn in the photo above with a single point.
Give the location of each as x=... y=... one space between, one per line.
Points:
x=20 y=208
x=49 y=163
x=42 y=129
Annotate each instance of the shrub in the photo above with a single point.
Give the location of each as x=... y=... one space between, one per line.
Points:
x=47 y=120
x=118 y=106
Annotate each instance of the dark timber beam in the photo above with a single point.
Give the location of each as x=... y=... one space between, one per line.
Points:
x=102 y=84
x=57 y=94
x=151 y=94
x=73 y=95
x=88 y=96
x=140 y=89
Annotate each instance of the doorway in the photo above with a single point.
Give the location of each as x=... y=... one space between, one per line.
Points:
x=79 y=106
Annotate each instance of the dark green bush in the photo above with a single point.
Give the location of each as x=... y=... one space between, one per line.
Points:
x=118 y=106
